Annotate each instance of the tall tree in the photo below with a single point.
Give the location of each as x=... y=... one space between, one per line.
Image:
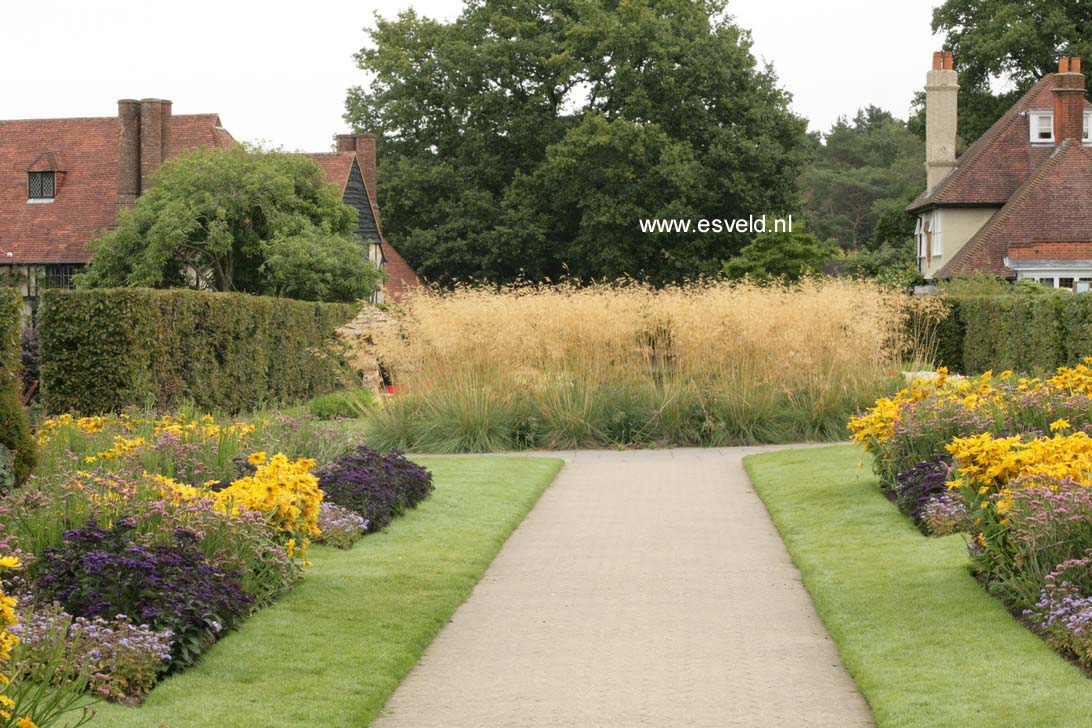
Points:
x=530 y=137
x=1018 y=41
x=863 y=171
x=237 y=220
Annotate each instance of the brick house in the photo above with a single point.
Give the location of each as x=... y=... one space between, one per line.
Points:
x=1018 y=202
x=352 y=169
x=62 y=181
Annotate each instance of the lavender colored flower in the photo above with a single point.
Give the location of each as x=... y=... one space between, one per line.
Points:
x=340 y=527
x=121 y=660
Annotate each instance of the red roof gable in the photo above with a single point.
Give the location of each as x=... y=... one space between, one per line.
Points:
x=1001 y=160
x=401 y=278
x=1053 y=206
x=86 y=151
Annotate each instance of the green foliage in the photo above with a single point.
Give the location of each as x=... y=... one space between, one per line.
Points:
x=978 y=283
x=1018 y=40
x=237 y=220
x=893 y=263
x=347 y=403
x=18 y=450
x=863 y=174
x=530 y=139
x=1025 y=333
x=788 y=255
x=103 y=350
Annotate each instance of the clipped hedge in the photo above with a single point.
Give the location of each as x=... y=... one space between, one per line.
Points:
x=103 y=350
x=1024 y=333
x=20 y=452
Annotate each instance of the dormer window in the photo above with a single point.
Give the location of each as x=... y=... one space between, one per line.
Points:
x=1042 y=127
x=41 y=186
x=1087 y=126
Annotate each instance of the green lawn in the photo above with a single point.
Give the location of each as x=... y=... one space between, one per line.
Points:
x=331 y=652
x=926 y=645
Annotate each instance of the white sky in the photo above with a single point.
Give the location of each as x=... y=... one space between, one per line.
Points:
x=280 y=76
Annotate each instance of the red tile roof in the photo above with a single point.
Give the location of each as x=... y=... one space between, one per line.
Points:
x=401 y=277
x=1053 y=206
x=86 y=151
x=994 y=167
x=336 y=166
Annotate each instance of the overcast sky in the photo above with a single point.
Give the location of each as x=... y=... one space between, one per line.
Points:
x=279 y=76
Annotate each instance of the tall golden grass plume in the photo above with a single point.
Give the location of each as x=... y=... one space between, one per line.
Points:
x=559 y=353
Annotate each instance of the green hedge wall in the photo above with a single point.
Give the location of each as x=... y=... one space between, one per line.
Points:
x=15 y=435
x=1033 y=334
x=102 y=350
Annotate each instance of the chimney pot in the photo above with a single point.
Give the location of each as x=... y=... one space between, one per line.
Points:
x=949 y=61
x=1063 y=65
x=938 y=60
x=1074 y=65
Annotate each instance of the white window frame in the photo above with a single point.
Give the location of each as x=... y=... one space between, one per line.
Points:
x=1087 y=125
x=919 y=235
x=935 y=230
x=1036 y=121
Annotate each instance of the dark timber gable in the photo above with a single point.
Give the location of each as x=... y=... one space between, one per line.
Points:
x=356 y=195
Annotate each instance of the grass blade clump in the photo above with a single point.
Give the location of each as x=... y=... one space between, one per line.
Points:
x=567 y=366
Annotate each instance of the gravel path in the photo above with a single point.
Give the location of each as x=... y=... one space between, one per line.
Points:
x=646 y=588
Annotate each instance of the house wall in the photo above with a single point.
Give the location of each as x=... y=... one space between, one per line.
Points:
x=958 y=225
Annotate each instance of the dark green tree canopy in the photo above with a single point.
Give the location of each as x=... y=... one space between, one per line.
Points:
x=863 y=173
x=530 y=138
x=238 y=220
x=782 y=255
x=1015 y=40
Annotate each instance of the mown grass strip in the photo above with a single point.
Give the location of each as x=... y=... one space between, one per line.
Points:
x=332 y=651
x=926 y=645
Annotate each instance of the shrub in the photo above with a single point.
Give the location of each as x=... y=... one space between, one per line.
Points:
x=345 y=404
x=30 y=361
x=377 y=486
x=1027 y=333
x=340 y=527
x=19 y=453
x=104 y=572
x=104 y=350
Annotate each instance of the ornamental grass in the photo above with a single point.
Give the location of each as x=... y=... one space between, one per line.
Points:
x=564 y=366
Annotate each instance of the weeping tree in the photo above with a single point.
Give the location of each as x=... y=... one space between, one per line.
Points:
x=239 y=219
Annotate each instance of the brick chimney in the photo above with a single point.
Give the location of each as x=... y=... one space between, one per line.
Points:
x=144 y=141
x=128 y=152
x=155 y=137
x=364 y=146
x=1069 y=101
x=941 y=90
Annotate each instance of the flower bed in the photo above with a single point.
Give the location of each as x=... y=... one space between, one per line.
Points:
x=1008 y=461
x=141 y=541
